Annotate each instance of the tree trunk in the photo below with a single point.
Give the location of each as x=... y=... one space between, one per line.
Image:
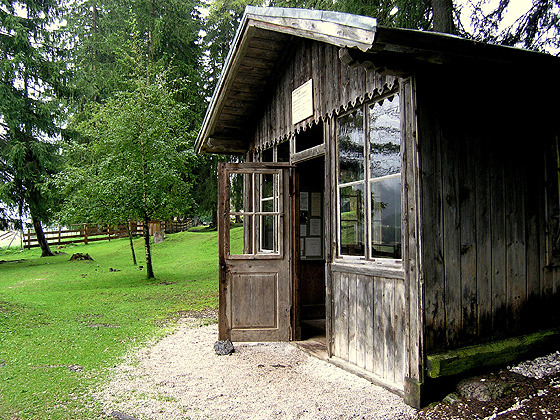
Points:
x=146 y=231
x=131 y=243
x=45 y=249
x=214 y=218
x=443 y=16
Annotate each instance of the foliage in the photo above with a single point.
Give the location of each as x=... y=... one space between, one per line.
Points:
x=32 y=74
x=105 y=32
x=58 y=314
x=119 y=45
x=537 y=29
x=134 y=162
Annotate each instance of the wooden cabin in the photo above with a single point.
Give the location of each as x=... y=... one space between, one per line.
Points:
x=399 y=189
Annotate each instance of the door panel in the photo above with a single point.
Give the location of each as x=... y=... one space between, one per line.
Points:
x=255 y=271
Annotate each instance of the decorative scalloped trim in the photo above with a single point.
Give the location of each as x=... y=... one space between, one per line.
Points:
x=343 y=108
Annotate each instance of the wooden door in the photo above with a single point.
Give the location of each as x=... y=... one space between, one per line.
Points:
x=254 y=248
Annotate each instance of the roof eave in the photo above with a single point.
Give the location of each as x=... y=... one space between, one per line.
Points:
x=340 y=29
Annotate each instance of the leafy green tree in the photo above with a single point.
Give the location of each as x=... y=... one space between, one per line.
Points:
x=31 y=73
x=135 y=164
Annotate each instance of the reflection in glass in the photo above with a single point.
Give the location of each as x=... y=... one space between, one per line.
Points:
x=267 y=185
x=268 y=223
x=352 y=220
x=351 y=147
x=386 y=216
x=384 y=176
x=384 y=138
x=268 y=242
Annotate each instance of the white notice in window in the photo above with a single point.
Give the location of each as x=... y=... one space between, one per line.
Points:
x=302 y=102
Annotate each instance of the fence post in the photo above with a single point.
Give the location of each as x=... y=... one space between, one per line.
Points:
x=109 y=233
x=28 y=239
x=85 y=234
x=59 y=236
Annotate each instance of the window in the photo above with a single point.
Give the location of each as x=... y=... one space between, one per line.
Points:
x=369 y=181
x=260 y=214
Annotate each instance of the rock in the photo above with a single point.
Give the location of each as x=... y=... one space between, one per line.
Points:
x=158 y=237
x=120 y=416
x=452 y=398
x=481 y=389
x=80 y=256
x=223 y=347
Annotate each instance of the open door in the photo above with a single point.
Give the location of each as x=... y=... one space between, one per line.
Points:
x=254 y=249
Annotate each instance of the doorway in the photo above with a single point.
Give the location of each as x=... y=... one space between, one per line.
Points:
x=309 y=256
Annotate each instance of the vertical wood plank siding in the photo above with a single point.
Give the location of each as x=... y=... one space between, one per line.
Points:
x=336 y=88
x=484 y=193
x=368 y=325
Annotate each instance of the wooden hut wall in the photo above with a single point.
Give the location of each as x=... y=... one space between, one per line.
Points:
x=488 y=206
x=366 y=309
x=336 y=87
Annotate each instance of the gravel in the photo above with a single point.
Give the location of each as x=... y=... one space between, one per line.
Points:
x=539 y=367
x=182 y=377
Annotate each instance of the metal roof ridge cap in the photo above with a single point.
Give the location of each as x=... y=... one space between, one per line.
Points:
x=357 y=21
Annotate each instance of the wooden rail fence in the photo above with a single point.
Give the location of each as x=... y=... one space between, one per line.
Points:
x=91 y=233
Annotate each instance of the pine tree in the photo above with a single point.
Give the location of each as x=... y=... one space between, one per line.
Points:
x=31 y=80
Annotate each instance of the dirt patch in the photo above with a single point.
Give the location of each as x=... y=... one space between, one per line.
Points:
x=182 y=377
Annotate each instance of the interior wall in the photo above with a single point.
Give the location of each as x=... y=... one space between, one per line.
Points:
x=311 y=272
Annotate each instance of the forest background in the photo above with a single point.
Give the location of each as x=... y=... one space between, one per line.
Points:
x=101 y=100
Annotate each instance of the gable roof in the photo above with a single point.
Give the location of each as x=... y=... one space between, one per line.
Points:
x=264 y=33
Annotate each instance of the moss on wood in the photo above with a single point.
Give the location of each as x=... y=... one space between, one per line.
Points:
x=455 y=362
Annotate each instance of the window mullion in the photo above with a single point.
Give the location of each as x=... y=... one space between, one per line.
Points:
x=367 y=191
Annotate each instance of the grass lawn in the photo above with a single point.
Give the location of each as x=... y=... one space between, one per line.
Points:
x=63 y=323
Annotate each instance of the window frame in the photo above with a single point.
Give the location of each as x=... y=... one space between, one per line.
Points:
x=254 y=229
x=367 y=220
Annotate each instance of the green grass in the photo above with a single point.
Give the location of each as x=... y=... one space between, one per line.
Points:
x=64 y=323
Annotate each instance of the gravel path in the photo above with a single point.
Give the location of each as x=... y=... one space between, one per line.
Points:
x=181 y=377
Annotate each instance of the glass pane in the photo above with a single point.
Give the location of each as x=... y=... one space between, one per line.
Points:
x=309 y=138
x=283 y=152
x=352 y=220
x=269 y=233
x=386 y=217
x=268 y=155
x=351 y=147
x=267 y=185
x=240 y=237
x=268 y=205
x=239 y=190
x=385 y=179
x=385 y=138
